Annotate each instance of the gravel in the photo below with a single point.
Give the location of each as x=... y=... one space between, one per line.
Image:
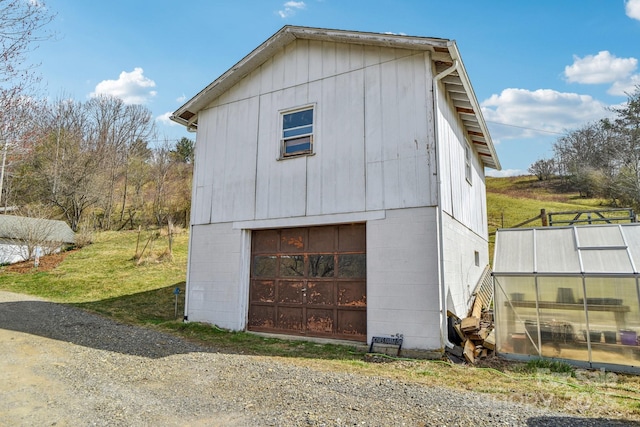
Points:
x=62 y=366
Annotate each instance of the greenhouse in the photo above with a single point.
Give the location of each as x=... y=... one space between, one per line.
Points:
x=569 y=293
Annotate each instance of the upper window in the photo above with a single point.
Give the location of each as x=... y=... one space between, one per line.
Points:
x=297 y=132
x=467 y=163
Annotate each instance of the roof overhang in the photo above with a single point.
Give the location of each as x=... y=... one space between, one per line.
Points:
x=443 y=53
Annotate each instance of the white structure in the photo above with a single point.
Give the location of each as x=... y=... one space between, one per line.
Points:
x=338 y=188
x=23 y=238
x=570 y=293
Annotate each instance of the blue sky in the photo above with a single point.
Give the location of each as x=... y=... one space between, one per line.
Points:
x=539 y=67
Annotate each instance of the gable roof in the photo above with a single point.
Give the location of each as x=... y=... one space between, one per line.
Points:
x=575 y=250
x=39 y=229
x=444 y=53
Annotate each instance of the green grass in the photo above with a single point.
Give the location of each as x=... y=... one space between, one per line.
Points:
x=106 y=269
x=108 y=278
x=542 y=365
x=513 y=200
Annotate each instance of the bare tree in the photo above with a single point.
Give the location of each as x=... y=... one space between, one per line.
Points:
x=22 y=26
x=543 y=169
x=117 y=129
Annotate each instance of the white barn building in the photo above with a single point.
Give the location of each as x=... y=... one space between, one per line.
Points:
x=339 y=188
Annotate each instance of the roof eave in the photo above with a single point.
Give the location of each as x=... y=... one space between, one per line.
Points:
x=493 y=161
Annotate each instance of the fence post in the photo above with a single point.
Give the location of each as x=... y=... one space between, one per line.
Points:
x=543 y=217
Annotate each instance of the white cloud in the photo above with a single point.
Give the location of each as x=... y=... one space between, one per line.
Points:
x=505 y=172
x=632 y=8
x=181 y=99
x=624 y=87
x=290 y=8
x=165 y=119
x=132 y=88
x=601 y=68
x=536 y=113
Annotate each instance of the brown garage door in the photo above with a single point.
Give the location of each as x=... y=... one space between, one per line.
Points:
x=310 y=281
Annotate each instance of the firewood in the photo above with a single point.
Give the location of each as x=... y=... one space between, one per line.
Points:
x=470 y=324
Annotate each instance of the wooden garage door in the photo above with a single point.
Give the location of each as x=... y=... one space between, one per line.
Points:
x=310 y=281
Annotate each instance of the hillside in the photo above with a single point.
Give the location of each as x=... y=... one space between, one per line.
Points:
x=512 y=200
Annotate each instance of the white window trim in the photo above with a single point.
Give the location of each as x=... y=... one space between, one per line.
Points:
x=281 y=139
x=468 y=162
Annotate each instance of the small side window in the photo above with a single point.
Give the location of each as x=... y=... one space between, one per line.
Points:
x=297 y=132
x=467 y=163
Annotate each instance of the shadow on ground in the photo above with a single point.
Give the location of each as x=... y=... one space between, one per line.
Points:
x=70 y=324
x=551 y=421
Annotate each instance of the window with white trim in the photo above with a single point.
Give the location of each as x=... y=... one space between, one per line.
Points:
x=296 y=138
x=467 y=163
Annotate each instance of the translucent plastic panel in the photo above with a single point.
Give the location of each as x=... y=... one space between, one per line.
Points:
x=514 y=304
x=606 y=261
x=599 y=236
x=556 y=251
x=514 y=251
x=562 y=319
x=614 y=319
x=632 y=236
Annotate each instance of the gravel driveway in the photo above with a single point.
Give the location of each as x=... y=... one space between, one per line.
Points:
x=62 y=366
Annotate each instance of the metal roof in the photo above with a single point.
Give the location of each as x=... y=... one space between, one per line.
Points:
x=587 y=249
x=39 y=229
x=444 y=53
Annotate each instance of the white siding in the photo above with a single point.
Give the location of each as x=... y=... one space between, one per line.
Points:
x=215 y=289
x=464 y=201
x=226 y=153
x=374 y=152
x=461 y=273
x=402 y=278
x=373 y=142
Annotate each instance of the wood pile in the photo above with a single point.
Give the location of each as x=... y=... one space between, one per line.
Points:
x=474 y=336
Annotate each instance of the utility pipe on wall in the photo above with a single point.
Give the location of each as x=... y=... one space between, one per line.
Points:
x=444 y=330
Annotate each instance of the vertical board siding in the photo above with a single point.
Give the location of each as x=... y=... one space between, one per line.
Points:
x=463 y=201
x=461 y=273
x=230 y=166
x=399 y=149
x=372 y=141
x=280 y=184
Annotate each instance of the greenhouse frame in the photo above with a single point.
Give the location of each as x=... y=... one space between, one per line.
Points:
x=569 y=293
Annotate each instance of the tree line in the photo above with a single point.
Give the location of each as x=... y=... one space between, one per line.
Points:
x=91 y=163
x=94 y=163
x=600 y=159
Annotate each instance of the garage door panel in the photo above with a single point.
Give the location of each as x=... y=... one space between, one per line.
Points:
x=320 y=321
x=310 y=281
x=352 y=294
x=352 y=323
x=290 y=318
x=322 y=239
x=262 y=317
x=320 y=293
x=290 y=292
x=352 y=238
x=265 y=241
x=263 y=291
x=292 y=240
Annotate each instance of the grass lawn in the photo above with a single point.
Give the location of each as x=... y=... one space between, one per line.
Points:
x=115 y=278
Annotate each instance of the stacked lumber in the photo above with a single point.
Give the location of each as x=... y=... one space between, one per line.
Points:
x=474 y=337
